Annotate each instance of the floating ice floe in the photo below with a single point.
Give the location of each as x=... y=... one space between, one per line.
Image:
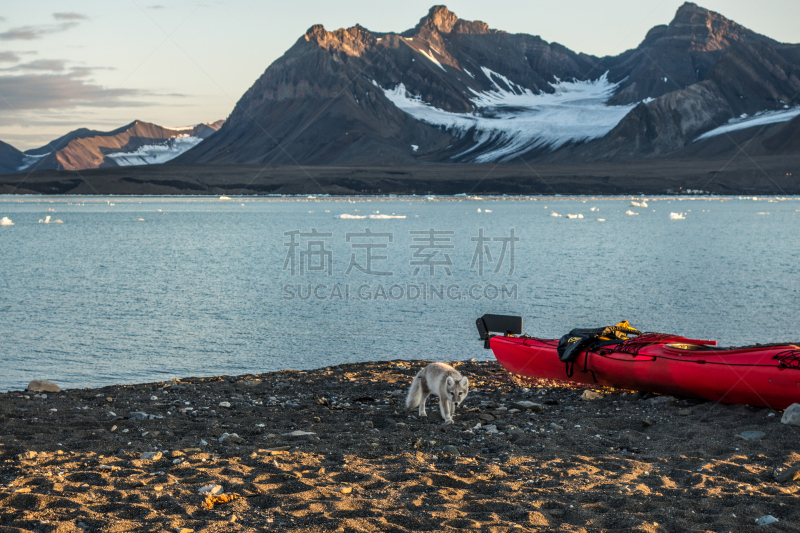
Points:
x=629 y=212
x=414 y=147
x=575 y=216
x=223 y=198
x=639 y=204
x=487 y=210
x=601 y=220
x=5 y=221
x=345 y=216
x=594 y=209
x=384 y=217
x=510 y=119
x=48 y=221
x=677 y=216
x=554 y=214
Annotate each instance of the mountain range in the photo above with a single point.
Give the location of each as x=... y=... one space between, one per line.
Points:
x=451 y=90
x=457 y=92
x=138 y=143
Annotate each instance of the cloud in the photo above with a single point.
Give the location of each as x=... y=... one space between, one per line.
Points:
x=28 y=33
x=8 y=57
x=60 y=91
x=69 y=16
x=55 y=65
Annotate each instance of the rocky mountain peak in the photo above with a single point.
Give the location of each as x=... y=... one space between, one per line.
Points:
x=352 y=41
x=706 y=30
x=439 y=17
x=441 y=20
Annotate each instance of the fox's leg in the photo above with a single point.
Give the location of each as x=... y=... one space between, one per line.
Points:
x=445 y=407
x=422 y=403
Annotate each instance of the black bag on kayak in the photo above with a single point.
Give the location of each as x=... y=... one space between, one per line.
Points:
x=580 y=340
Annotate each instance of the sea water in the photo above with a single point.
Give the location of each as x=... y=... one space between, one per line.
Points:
x=142 y=289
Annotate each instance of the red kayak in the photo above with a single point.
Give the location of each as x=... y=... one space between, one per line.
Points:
x=765 y=375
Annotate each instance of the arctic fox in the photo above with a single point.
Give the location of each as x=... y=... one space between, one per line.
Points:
x=442 y=380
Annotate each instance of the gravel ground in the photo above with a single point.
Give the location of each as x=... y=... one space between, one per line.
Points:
x=73 y=461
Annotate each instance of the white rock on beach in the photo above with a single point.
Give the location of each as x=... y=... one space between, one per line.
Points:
x=766 y=520
x=151 y=456
x=210 y=489
x=43 y=385
x=298 y=433
x=791 y=416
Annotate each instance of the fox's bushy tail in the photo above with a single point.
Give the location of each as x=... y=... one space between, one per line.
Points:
x=415 y=392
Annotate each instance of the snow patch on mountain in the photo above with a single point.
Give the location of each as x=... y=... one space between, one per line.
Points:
x=28 y=160
x=429 y=55
x=760 y=119
x=153 y=154
x=510 y=119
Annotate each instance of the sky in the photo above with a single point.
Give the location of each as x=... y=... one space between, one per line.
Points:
x=97 y=64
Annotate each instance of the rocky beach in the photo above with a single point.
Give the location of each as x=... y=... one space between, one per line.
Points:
x=333 y=450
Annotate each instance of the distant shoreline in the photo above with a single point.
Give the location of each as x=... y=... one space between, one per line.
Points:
x=739 y=176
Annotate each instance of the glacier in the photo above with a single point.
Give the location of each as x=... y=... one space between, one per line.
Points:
x=153 y=154
x=759 y=119
x=510 y=120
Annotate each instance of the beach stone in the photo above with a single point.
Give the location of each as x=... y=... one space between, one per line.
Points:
x=591 y=395
x=527 y=405
x=657 y=400
x=151 y=456
x=203 y=442
x=138 y=415
x=647 y=423
x=210 y=489
x=514 y=431
x=556 y=426
x=232 y=438
x=486 y=417
x=452 y=450
x=791 y=416
x=368 y=424
x=789 y=474
x=27 y=456
x=43 y=385
x=684 y=412
x=751 y=435
x=298 y=433
x=766 y=520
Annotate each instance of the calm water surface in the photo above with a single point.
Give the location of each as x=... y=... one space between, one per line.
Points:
x=149 y=288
